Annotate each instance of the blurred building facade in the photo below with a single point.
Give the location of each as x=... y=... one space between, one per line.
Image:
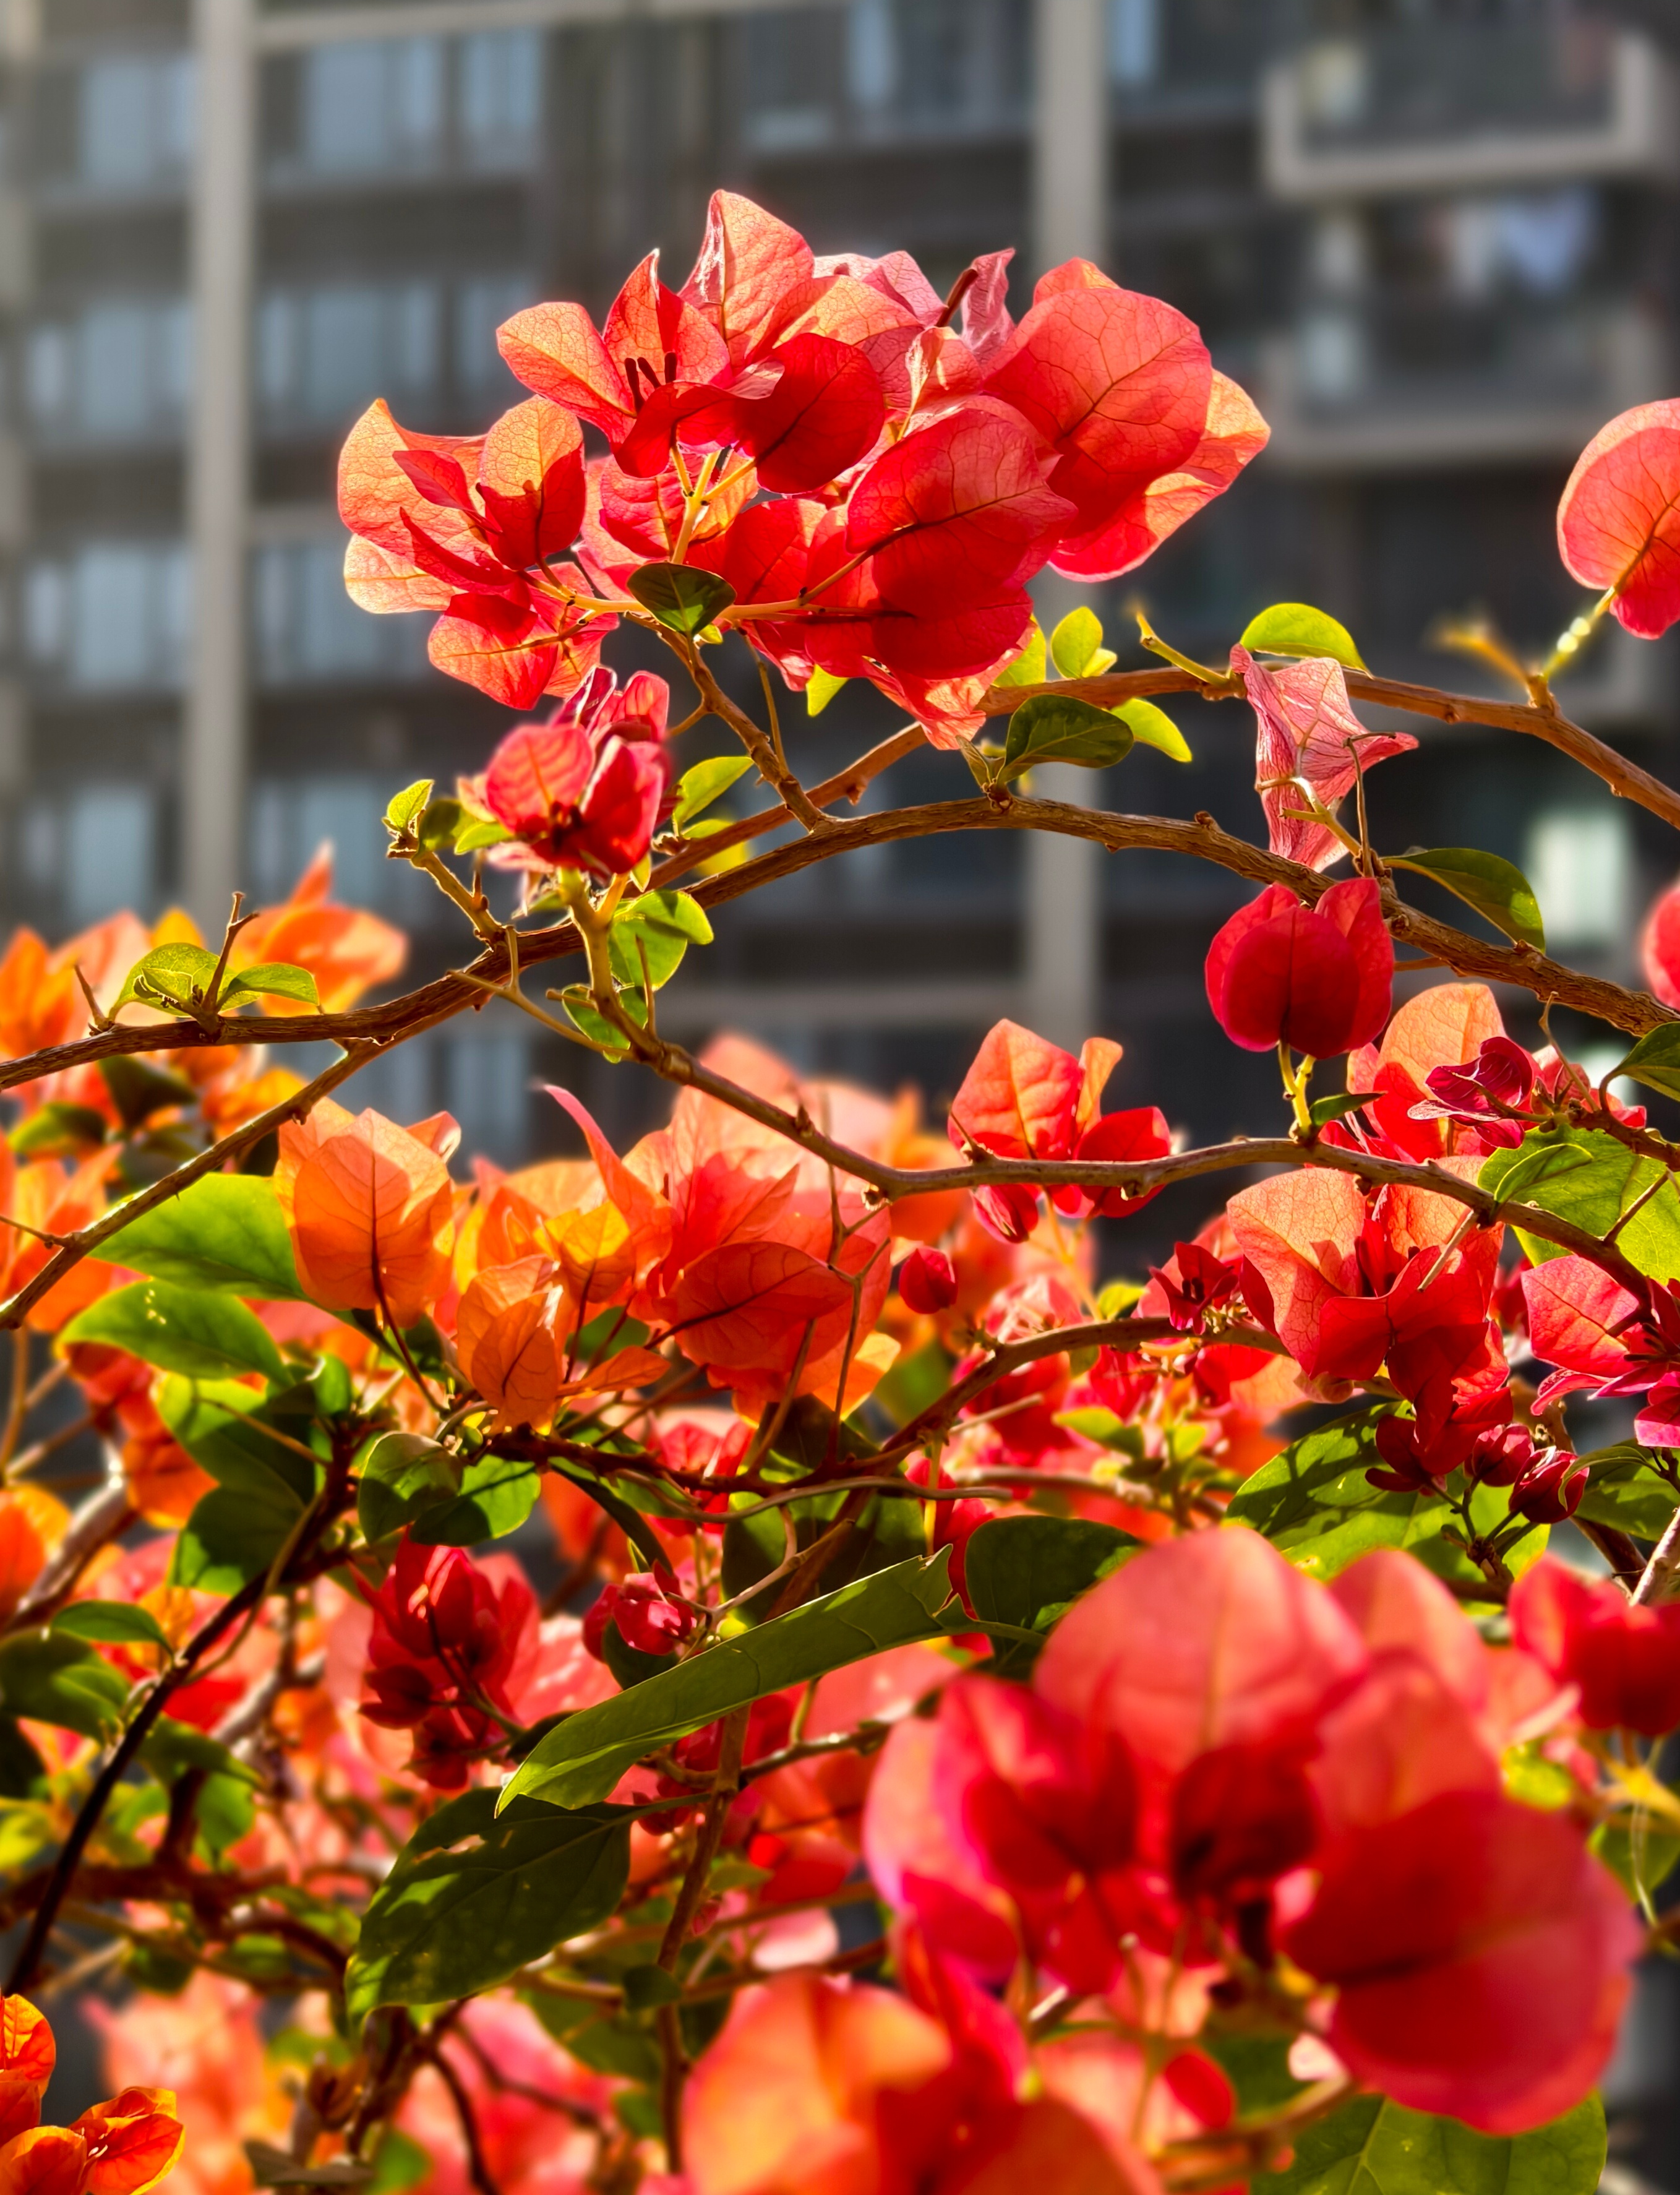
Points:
x=1436 y=241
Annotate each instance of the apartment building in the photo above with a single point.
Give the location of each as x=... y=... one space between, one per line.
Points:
x=1436 y=241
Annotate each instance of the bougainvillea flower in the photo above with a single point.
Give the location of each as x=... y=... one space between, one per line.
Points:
x=1198 y=1283
x=1602 y=1337
x=1659 y=947
x=444 y=1642
x=1618 y=520
x=927 y=1280
x=1490 y=1094
x=1434 y=1925
x=346 y=950
x=1316 y=978
x=28 y=2053
x=370 y=1208
x=1623 y=1659
x=1444 y=1026
x=570 y=804
x=1308 y=743
x=122 y=2147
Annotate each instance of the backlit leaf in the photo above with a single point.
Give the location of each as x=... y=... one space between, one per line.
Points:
x=1370 y=2147
x=680 y=597
x=697 y=788
x=168 y=976
x=194 y=1331
x=581 y=1760
x=820 y=691
x=1029 y=668
x=109 y=1622
x=1586 y=1177
x=274 y=979
x=224 y=1232
x=1153 y=728
x=407 y=804
x=1656 y=1060
x=1495 y=888
x=665 y=923
x=1298 y=629
x=1076 y=645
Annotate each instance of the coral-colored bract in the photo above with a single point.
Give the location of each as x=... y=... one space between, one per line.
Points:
x=747 y=1664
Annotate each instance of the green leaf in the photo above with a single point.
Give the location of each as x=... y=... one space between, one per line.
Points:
x=274 y=979
x=1628 y=1492
x=1371 y=2147
x=110 y=1623
x=439 y=823
x=1030 y=666
x=1641 y=1856
x=172 y=1746
x=666 y=923
x=681 y=597
x=58 y=1130
x=224 y=1232
x=218 y=1424
x=1325 y=1110
x=408 y=803
x=138 y=1090
x=399 y=1474
x=1654 y=1060
x=1025 y=1571
x=1586 y=1177
x=820 y=691
x=232 y=1538
x=1153 y=728
x=581 y=1759
x=697 y=788
x=1315 y=1505
x=1058 y=728
x=194 y=1331
x=477 y=831
x=1298 y=629
x=1076 y=646
x=61 y=1681
x=168 y=974
x=448 y=1923
x=496 y=1497
x=1496 y=889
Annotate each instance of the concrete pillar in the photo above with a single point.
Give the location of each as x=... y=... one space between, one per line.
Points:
x=223 y=243
x=1070 y=192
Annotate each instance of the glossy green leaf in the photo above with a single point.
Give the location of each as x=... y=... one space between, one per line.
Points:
x=1153 y=728
x=168 y=976
x=51 y=1679
x=1026 y=1570
x=680 y=597
x=109 y=1623
x=1324 y=1110
x=1627 y=1492
x=1298 y=629
x=477 y=831
x=664 y=924
x=1059 y=727
x=397 y=1476
x=475 y=1895
x=407 y=804
x=1656 y=1060
x=195 y=1331
x=58 y=1130
x=1370 y=2147
x=438 y=823
x=581 y=1759
x=172 y=1746
x=219 y=1424
x=707 y=781
x=225 y=1232
x=1030 y=666
x=232 y=1537
x=1496 y=889
x=1076 y=646
x=1639 y=1854
x=273 y=979
x=1586 y=1177
x=820 y=691
x=1315 y=1505
x=495 y=1498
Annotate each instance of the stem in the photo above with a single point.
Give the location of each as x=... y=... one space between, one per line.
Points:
x=732 y=1747
x=18 y=1409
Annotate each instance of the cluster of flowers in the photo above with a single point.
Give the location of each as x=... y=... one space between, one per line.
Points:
x=1151 y=1736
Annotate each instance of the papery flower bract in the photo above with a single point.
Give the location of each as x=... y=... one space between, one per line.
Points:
x=1316 y=978
x=370 y=1208
x=927 y=1280
x=1659 y=946
x=1308 y=742
x=1485 y=1094
x=1618 y=520
x=1624 y=1659
x=28 y=2053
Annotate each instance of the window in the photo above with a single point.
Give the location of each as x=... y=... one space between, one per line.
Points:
x=113 y=614
x=499 y=97
x=481 y=308
x=93 y=849
x=306 y=627
x=1580 y=865
x=1134 y=41
x=122 y=367
x=370 y=105
x=136 y=118
x=323 y=355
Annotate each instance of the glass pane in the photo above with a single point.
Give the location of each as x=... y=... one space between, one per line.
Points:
x=109 y=858
x=342 y=358
x=117 y=107
x=344 y=106
x=116 y=396
x=111 y=637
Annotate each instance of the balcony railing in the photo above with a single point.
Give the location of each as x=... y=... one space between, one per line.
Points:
x=1382 y=384
x=1438 y=107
